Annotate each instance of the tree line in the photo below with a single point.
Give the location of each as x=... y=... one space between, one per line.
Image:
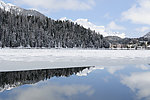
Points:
x=18 y=30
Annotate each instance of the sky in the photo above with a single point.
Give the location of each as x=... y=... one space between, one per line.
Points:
x=130 y=18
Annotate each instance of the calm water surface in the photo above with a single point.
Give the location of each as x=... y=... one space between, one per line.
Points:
x=130 y=82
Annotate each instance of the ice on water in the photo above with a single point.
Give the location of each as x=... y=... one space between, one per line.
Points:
x=25 y=59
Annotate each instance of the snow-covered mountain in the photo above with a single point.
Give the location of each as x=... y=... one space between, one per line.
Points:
x=20 y=11
x=147 y=35
x=84 y=22
x=100 y=29
x=87 y=24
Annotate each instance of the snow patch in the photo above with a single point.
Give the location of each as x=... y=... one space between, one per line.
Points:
x=7 y=6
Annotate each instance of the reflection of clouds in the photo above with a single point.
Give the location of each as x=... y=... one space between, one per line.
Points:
x=143 y=67
x=139 y=83
x=86 y=71
x=113 y=69
x=53 y=92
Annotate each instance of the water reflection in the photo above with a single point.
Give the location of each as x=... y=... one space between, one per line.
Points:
x=9 y=80
x=53 y=92
x=82 y=83
x=139 y=83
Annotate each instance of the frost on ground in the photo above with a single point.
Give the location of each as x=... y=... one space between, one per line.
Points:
x=27 y=59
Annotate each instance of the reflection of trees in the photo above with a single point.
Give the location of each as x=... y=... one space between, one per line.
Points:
x=12 y=79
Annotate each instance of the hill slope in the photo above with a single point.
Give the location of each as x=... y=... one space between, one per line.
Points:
x=19 y=11
x=147 y=35
x=21 y=30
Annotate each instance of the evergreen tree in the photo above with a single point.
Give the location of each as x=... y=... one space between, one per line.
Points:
x=36 y=32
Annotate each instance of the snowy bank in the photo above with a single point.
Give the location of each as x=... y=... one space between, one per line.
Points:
x=25 y=59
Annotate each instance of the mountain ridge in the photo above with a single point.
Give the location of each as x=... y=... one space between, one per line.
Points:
x=83 y=22
x=99 y=29
x=33 y=31
x=147 y=35
x=19 y=28
x=19 y=11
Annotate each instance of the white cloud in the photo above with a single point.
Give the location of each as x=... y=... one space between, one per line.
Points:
x=100 y=29
x=52 y=5
x=113 y=26
x=142 y=29
x=138 y=13
x=87 y=24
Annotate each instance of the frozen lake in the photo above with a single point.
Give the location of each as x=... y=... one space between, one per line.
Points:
x=67 y=74
x=27 y=59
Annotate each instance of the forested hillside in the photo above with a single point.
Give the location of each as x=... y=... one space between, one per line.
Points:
x=17 y=30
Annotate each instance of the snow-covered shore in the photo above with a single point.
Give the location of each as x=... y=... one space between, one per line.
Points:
x=25 y=59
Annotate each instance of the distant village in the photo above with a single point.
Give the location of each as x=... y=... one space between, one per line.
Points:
x=129 y=43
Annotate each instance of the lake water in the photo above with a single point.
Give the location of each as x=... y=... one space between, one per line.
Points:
x=61 y=74
x=129 y=82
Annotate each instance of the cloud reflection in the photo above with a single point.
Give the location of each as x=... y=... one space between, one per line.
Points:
x=143 y=67
x=53 y=92
x=113 y=69
x=138 y=83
